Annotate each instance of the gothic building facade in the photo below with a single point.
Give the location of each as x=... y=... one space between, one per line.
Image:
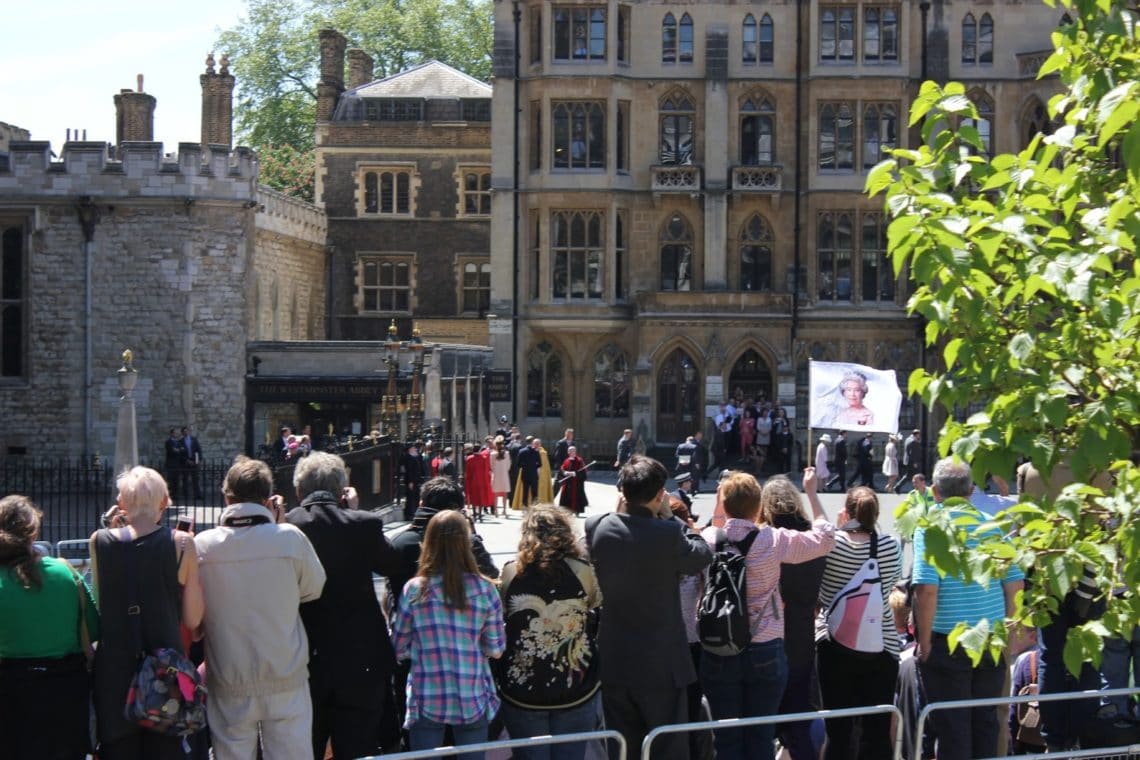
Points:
x=678 y=207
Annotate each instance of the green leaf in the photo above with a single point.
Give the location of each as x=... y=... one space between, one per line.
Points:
x=1117 y=109
x=1021 y=346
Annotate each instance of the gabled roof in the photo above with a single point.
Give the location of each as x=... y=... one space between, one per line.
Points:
x=428 y=80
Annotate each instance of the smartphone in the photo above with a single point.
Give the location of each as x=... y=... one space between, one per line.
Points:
x=185 y=523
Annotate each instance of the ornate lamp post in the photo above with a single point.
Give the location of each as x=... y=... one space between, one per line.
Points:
x=390 y=404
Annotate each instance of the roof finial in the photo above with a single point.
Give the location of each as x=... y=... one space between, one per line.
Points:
x=210 y=62
x=140 y=79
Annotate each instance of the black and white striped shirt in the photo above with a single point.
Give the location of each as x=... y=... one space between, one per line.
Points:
x=842 y=564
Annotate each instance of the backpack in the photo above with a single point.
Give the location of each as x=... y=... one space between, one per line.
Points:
x=166 y=695
x=855 y=617
x=1029 y=713
x=722 y=616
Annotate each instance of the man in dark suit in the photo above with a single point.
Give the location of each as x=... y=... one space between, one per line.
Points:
x=412 y=468
x=840 y=475
x=638 y=555
x=350 y=655
x=561 y=448
x=863 y=456
x=530 y=462
x=514 y=446
x=193 y=453
x=175 y=459
x=700 y=461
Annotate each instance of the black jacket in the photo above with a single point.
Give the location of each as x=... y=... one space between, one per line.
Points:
x=840 y=451
x=348 y=636
x=407 y=546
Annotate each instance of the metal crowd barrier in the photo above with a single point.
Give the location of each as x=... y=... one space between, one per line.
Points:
x=1124 y=752
x=532 y=741
x=715 y=725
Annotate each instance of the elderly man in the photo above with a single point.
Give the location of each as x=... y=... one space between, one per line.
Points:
x=351 y=659
x=256 y=574
x=943 y=602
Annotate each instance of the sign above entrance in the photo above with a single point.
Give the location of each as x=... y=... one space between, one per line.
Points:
x=714 y=388
x=497 y=385
x=497 y=326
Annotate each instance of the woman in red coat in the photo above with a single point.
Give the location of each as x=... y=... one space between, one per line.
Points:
x=477 y=481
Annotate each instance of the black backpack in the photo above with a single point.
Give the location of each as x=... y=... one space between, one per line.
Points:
x=722 y=617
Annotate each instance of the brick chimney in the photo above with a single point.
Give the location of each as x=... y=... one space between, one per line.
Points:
x=134 y=115
x=217 y=103
x=331 y=85
x=359 y=68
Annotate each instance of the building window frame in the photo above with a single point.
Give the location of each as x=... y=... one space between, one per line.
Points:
x=623 y=34
x=14 y=248
x=686 y=45
x=880 y=132
x=880 y=34
x=837 y=130
x=757 y=121
x=677 y=116
x=544 y=382
x=393 y=109
x=767 y=41
x=578 y=129
x=387 y=190
x=474 y=276
x=676 y=256
x=835 y=248
x=385 y=282
x=611 y=384
x=577 y=255
x=984 y=124
x=837 y=33
x=756 y=240
x=879 y=282
x=669 y=39
x=579 y=33
x=474 y=190
x=749 y=41
x=977 y=40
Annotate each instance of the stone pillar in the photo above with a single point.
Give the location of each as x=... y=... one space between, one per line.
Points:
x=331 y=84
x=217 y=103
x=938 y=44
x=359 y=68
x=716 y=172
x=134 y=115
x=127 y=437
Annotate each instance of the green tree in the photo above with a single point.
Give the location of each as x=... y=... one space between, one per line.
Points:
x=289 y=170
x=276 y=55
x=1026 y=276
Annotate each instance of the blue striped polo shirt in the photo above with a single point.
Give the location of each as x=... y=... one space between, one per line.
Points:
x=959 y=601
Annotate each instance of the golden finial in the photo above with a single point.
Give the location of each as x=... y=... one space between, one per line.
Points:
x=128 y=357
x=393 y=333
x=417 y=336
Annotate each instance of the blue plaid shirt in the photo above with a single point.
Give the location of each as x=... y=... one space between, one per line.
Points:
x=450 y=681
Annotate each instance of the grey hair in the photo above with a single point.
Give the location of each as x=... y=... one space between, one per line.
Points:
x=952 y=478
x=320 y=472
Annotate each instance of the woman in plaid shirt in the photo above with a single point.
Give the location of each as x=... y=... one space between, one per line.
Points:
x=449 y=622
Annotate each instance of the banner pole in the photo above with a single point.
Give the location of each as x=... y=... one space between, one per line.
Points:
x=810 y=449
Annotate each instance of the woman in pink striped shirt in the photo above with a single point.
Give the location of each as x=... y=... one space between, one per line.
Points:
x=751 y=683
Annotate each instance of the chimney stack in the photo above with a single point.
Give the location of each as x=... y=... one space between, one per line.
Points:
x=331 y=85
x=217 y=103
x=359 y=68
x=134 y=115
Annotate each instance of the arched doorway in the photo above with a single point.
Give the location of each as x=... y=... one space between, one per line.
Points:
x=752 y=376
x=678 y=397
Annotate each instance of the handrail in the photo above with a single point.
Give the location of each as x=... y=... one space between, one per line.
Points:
x=761 y=720
x=530 y=741
x=1063 y=696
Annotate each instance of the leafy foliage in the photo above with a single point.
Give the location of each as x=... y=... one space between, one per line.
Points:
x=276 y=54
x=289 y=170
x=1027 y=278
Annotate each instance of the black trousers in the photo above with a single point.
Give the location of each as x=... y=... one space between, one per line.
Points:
x=349 y=715
x=856 y=679
x=45 y=709
x=966 y=733
x=633 y=713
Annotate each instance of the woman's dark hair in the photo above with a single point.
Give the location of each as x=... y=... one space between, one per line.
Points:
x=863 y=505
x=547 y=538
x=19 y=527
x=446 y=552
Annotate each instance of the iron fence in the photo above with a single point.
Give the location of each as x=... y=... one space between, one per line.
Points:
x=532 y=741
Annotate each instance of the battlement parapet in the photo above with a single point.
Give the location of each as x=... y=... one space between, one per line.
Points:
x=285 y=215
x=136 y=169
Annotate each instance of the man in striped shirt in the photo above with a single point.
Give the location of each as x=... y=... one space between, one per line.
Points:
x=943 y=602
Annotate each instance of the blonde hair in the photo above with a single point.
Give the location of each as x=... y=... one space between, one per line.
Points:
x=740 y=494
x=780 y=497
x=142 y=493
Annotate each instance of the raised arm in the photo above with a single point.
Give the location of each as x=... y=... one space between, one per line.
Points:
x=810 y=490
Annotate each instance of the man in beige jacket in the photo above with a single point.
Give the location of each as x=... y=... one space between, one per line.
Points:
x=255 y=574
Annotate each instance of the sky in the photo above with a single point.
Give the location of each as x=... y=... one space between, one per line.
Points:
x=65 y=61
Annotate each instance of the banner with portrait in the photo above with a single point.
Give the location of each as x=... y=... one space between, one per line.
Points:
x=848 y=396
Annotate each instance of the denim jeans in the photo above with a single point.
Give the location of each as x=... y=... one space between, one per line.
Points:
x=522 y=723
x=745 y=685
x=428 y=734
x=1121 y=659
x=1061 y=721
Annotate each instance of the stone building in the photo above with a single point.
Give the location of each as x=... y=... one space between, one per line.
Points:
x=404 y=174
x=678 y=210
x=181 y=258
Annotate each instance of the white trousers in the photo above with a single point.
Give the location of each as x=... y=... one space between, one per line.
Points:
x=286 y=722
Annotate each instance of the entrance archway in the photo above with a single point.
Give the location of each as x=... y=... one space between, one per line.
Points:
x=752 y=375
x=678 y=397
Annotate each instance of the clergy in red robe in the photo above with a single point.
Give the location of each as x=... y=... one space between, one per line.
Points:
x=572 y=476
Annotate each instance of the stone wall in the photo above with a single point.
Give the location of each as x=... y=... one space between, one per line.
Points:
x=170 y=246
x=289 y=269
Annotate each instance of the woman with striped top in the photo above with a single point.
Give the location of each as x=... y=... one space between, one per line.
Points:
x=850 y=678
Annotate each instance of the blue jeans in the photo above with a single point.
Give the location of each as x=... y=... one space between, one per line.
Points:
x=1061 y=721
x=427 y=734
x=745 y=685
x=522 y=723
x=1119 y=654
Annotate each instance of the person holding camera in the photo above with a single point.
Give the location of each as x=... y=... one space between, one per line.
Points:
x=350 y=653
x=256 y=572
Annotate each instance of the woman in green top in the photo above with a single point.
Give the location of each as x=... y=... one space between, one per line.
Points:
x=44 y=685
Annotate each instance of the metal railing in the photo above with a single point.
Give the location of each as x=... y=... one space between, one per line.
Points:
x=762 y=720
x=531 y=741
x=964 y=704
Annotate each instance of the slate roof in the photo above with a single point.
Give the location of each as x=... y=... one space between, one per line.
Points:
x=428 y=80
